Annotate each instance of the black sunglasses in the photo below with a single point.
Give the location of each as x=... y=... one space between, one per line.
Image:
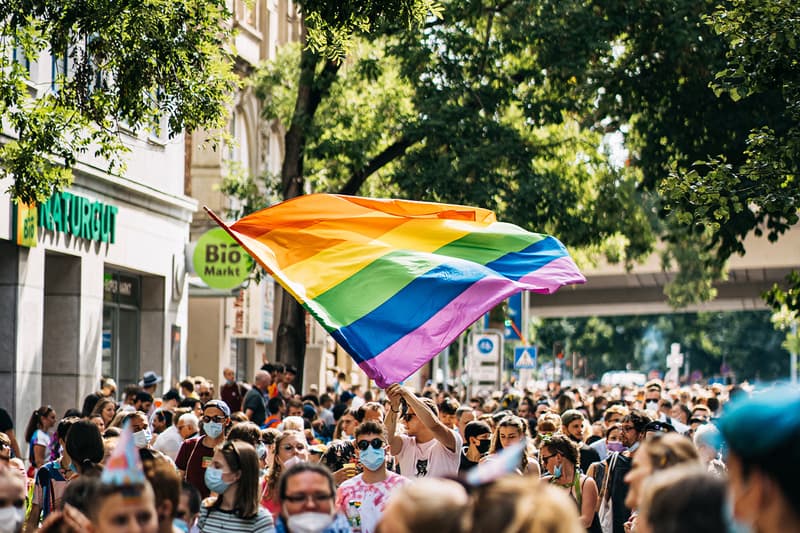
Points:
x=375 y=443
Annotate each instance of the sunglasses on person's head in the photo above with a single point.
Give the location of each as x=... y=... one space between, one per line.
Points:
x=659 y=427
x=375 y=443
x=230 y=447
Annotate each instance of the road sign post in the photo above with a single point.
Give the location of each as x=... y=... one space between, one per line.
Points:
x=525 y=357
x=485 y=363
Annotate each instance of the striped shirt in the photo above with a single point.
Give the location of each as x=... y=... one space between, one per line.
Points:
x=214 y=519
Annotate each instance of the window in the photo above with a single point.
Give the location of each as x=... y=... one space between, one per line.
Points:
x=18 y=56
x=121 y=311
x=58 y=70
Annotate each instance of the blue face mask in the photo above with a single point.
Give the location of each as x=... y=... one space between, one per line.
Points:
x=371 y=458
x=214 y=481
x=181 y=525
x=557 y=472
x=213 y=429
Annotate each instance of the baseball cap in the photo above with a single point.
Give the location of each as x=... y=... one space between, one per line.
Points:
x=219 y=404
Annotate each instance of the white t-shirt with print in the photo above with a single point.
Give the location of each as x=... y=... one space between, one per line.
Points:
x=431 y=459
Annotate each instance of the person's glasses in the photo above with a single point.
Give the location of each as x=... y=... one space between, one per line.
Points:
x=375 y=443
x=218 y=419
x=320 y=497
x=204 y=394
x=543 y=459
x=289 y=447
x=628 y=428
x=408 y=416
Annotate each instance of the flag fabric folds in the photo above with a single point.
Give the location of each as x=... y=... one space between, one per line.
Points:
x=396 y=281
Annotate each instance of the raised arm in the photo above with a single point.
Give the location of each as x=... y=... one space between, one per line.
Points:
x=394 y=392
x=440 y=432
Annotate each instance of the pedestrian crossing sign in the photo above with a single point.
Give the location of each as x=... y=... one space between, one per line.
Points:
x=525 y=357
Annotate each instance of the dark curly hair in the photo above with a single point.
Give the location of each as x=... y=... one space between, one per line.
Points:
x=564 y=446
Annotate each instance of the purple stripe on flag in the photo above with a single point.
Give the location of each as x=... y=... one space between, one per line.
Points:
x=405 y=356
x=552 y=276
x=408 y=354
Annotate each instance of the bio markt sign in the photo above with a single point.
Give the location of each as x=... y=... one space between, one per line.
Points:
x=220 y=261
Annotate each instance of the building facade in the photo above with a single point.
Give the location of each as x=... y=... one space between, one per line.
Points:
x=235 y=328
x=98 y=287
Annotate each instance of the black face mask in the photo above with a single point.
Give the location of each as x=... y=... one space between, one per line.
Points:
x=483 y=446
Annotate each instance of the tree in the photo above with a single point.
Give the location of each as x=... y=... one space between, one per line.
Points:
x=508 y=103
x=754 y=188
x=130 y=63
x=330 y=26
x=745 y=341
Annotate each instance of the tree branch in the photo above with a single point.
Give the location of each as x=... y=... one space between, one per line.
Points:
x=389 y=154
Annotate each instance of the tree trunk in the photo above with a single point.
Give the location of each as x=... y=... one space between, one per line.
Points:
x=290 y=346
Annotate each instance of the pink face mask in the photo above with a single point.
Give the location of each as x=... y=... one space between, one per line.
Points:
x=615 y=446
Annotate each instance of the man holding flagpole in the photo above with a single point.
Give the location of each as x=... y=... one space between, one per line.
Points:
x=429 y=448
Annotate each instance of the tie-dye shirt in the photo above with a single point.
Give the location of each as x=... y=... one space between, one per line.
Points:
x=373 y=497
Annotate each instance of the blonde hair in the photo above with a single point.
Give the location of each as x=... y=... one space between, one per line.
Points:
x=430 y=505
x=524 y=504
x=669 y=449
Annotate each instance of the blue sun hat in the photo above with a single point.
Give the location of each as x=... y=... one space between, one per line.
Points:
x=763 y=432
x=759 y=426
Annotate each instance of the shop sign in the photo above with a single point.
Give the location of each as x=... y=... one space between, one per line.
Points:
x=73 y=214
x=26 y=224
x=220 y=261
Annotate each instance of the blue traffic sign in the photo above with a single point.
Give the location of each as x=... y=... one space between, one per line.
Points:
x=525 y=357
x=485 y=346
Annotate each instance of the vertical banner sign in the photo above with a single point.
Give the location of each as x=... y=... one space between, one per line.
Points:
x=267 y=308
x=27 y=216
x=515 y=316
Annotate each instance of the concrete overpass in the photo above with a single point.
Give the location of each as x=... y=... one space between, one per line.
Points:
x=611 y=290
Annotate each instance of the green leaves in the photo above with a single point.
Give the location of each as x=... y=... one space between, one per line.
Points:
x=137 y=63
x=333 y=26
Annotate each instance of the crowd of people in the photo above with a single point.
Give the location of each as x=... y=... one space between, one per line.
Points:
x=263 y=457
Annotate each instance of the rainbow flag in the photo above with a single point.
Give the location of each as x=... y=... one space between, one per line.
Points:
x=396 y=281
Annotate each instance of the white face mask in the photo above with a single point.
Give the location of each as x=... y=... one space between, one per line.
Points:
x=142 y=438
x=309 y=522
x=293 y=460
x=11 y=519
